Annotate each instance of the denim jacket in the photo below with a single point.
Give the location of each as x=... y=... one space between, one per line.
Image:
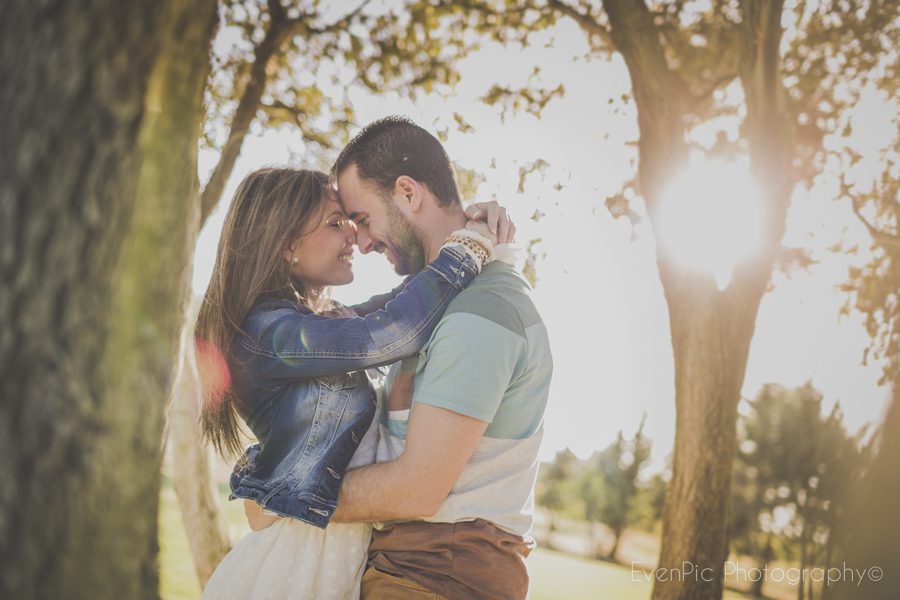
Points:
x=304 y=393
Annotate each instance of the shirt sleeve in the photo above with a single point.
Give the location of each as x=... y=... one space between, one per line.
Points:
x=469 y=366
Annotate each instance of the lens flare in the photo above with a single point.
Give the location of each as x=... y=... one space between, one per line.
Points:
x=213 y=368
x=710 y=218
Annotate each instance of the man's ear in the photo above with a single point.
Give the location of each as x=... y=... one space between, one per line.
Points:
x=408 y=194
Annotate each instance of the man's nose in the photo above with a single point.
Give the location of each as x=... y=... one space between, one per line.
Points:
x=363 y=241
x=351 y=232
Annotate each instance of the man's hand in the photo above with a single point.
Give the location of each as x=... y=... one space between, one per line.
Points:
x=501 y=229
x=255 y=516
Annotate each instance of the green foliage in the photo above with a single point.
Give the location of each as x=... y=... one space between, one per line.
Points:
x=314 y=56
x=647 y=507
x=531 y=101
x=610 y=483
x=529 y=270
x=874 y=289
x=603 y=489
x=835 y=48
x=468 y=181
x=555 y=487
x=792 y=471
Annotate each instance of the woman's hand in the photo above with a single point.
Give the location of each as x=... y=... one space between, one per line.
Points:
x=481 y=227
x=492 y=217
x=256 y=517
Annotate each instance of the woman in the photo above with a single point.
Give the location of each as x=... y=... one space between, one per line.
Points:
x=276 y=352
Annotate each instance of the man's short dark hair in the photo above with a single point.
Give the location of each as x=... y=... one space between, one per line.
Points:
x=395 y=146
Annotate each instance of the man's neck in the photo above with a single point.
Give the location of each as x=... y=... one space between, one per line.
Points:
x=446 y=223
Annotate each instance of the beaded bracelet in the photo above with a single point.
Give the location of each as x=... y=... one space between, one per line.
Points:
x=477 y=246
x=473 y=248
x=476 y=237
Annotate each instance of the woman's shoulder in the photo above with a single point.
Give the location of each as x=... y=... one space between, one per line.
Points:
x=269 y=311
x=270 y=304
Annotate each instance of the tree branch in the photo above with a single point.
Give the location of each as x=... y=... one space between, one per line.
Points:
x=658 y=92
x=587 y=23
x=297 y=115
x=879 y=236
x=704 y=95
x=769 y=132
x=279 y=28
x=276 y=10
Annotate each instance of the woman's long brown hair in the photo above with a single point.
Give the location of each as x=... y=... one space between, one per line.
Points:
x=271 y=209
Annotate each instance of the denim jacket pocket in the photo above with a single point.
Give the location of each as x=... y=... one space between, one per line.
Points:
x=341 y=381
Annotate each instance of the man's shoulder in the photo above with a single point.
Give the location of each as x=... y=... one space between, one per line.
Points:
x=499 y=295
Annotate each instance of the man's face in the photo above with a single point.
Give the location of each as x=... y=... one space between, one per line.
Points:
x=382 y=227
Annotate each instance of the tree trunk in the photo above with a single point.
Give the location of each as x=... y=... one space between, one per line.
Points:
x=711 y=330
x=617 y=536
x=757 y=588
x=873 y=526
x=801 y=592
x=193 y=480
x=829 y=548
x=90 y=299
x=178 y=108
x=711 y=338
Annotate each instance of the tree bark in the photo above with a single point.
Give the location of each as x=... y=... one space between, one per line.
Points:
x=711 y=330
x=179 y=109
x=89 y=301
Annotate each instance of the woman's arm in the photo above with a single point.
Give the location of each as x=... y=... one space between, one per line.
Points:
x=287 y=344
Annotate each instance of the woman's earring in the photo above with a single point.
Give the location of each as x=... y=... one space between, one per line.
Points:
x=295 y=260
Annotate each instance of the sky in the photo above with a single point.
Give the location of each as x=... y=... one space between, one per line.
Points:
x=598 y=288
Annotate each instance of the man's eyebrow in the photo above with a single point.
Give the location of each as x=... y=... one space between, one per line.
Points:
x=356 y=215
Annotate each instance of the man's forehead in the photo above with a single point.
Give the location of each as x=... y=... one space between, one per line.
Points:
x=355 y=196
x=342 y=198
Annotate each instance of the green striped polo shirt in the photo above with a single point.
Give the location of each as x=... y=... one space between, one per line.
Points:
x=489 y=359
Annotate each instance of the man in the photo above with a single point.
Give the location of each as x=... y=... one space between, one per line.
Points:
x=458 y=461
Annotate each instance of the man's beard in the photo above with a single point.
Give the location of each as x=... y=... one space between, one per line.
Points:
x=406 y=242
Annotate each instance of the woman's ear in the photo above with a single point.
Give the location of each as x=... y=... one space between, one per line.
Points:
x=408 y=193
x=290 y=254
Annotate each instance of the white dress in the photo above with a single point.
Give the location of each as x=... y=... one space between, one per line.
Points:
x=295 y=560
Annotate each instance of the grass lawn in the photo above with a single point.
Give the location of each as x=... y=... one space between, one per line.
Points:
x=554 y=575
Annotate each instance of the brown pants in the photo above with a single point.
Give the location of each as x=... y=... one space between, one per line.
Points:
x=378 y=585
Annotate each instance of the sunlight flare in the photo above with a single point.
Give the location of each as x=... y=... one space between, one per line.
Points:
x=710 y=217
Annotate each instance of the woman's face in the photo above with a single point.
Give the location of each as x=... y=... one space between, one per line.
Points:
x=325 y=256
